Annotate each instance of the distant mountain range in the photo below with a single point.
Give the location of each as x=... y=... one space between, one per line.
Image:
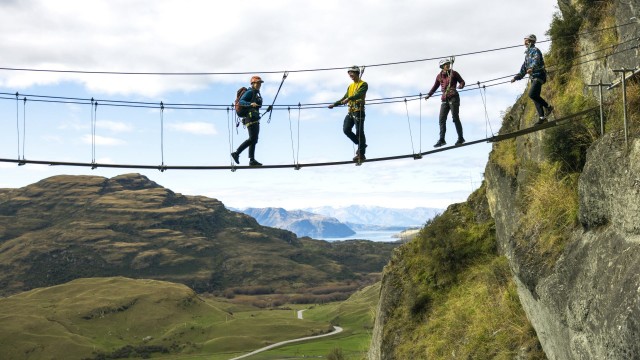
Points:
x=302 y=223
x=377 y=215
x=330 y=222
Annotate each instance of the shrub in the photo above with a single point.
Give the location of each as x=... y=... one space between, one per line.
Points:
x=335 y=354
x=563 y=31
x=567 y=145
x=469 y=323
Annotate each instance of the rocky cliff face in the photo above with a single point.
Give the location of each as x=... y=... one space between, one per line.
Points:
x=581 y=293
x=587 y=305
x=583 y=302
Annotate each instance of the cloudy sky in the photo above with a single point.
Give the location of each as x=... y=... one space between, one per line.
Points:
x=217 y=46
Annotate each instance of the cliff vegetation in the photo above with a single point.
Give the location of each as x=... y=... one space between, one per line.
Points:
x=543 y=260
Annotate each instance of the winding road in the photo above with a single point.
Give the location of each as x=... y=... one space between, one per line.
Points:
x=336 y=330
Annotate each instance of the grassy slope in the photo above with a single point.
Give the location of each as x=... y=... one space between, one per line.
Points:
x=101 y=315
x=457 y=298
x=354 y=315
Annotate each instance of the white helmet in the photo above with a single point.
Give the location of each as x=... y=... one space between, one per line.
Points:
x=443 y=62
x=354 y=69
x=531 y=37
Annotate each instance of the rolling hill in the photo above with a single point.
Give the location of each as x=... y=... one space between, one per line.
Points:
x=69 y=227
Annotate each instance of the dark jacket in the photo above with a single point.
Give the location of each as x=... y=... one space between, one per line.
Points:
x=533 y=60
x=445 y=80
x=252 y=96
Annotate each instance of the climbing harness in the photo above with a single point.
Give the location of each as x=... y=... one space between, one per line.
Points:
x=450 y=60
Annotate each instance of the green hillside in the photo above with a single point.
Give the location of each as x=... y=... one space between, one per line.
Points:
x=355 y=315
x=453 y=294
x=104 y=318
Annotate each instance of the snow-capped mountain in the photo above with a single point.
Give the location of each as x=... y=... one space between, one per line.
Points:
x=377 y=215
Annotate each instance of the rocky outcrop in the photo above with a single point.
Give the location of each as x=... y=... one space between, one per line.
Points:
x=622 y=55
x=384 y=341
x=610 y=187
x=586 y=306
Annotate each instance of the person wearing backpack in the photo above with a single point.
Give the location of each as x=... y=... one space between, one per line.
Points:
x=354 y=98
x=534 y=66
x=248 y=108
x=447 y=80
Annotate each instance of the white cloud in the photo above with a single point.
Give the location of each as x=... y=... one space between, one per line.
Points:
x=102 y=140
x=205 y=36
x=197 y=128
x=115 y=126
x=105 y=160
x=214 y=36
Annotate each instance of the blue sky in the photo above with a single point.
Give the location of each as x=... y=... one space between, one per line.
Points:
x=261 y=37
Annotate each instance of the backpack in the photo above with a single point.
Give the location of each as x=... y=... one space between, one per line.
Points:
x=241 y=111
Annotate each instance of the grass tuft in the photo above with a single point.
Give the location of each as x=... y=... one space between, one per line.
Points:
x=551 y=209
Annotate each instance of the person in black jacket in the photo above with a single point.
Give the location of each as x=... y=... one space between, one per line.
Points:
x=252 y=100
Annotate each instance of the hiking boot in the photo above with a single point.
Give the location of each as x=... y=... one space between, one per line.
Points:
x=358 y=151
x=460 y=141
x=547 y=111
x=541 y=121
x=254 y=162
x=236 y=157
x=440 y=143
x=359 y=158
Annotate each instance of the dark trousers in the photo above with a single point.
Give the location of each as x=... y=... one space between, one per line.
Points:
x=254 y=131
x=452 y=104
x=357 y=119
x=534 y=94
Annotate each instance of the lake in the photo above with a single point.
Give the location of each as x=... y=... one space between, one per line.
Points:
x=372 y=235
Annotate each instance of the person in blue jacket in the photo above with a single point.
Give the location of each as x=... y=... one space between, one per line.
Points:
x=253 y=101
x=534 y=66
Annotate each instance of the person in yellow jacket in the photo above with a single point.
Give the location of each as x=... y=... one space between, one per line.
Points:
x=354 y=98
